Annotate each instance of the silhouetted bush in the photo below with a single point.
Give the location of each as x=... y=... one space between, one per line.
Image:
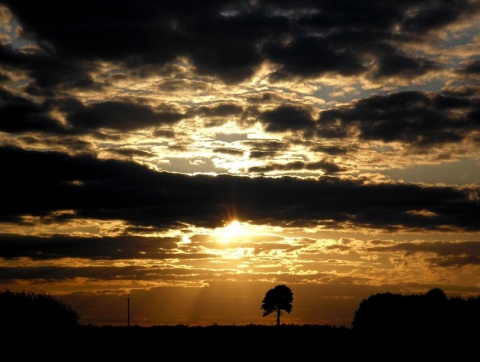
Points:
x=28 y=309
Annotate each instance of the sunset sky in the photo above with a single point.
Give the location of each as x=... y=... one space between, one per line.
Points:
x=342 y=136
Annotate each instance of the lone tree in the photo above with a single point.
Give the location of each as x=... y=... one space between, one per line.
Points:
x=277 y=299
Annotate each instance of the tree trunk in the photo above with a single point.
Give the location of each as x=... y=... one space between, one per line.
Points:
x=278 y=317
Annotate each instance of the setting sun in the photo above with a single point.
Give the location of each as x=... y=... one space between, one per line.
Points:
x=231 y=230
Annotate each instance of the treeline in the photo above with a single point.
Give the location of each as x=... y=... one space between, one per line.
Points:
x=429 y=326
x=419 y=314
x=29 y=309
x=382 y=313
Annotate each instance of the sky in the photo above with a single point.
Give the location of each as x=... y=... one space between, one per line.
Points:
x=172 y=161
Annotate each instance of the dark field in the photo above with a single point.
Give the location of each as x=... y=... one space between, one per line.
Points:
x=221 y=343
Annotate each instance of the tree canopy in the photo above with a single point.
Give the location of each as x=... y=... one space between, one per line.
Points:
x=277 y=300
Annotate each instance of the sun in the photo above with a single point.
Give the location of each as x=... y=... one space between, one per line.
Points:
x=230 y=231
x=234 y=228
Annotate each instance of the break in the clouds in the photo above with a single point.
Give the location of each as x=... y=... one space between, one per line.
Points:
x=343 y=136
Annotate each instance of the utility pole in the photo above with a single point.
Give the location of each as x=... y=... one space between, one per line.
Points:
x=128 y=311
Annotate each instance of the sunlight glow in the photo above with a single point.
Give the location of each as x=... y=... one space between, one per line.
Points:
x=233 y=229
x=230 y=231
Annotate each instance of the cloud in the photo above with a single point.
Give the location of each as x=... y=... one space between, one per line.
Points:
x=93 y=188
x=287 y=118
x=417 y=118
x=21 y=115
x=122 y=116
x=304 y=39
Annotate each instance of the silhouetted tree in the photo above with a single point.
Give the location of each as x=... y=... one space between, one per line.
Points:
x=28 y=309
x=276 y=300
x=436 y=294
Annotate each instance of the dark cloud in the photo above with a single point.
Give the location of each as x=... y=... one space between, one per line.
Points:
x=471 y=68
x=307 y=56
x=166 y=133
x=19 y=115
x=233 y=62
x=177 y=85
x=218 y=114
x=303 y=38
x=346 y=14
x=392 y=64
x=323 y=165
x=49 y=72
x=229 y=151
x=72 y=144
x=55 y=273
x=122 y=116
x=131 y=152
x=264 y=97
x=287 y=118
x=417 y=118
x=267 y=145
x=120 y=247
x=331 y=150
x=221 y=110
x=104 y=273
x=261 y=154
x=111 y=30
x=265 y=148
x=112 y=190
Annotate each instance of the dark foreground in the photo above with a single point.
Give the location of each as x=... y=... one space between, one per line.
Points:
x=236 y=343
